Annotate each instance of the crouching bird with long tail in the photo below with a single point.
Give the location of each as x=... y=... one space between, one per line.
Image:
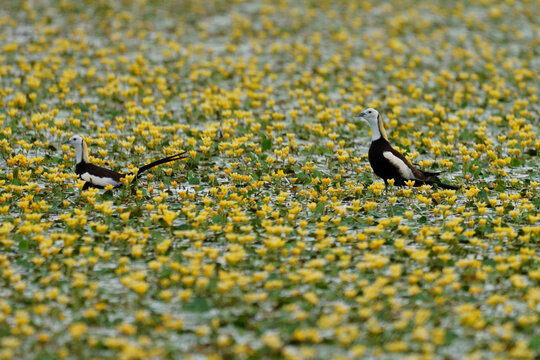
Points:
x=100 y=177
x=388 y=163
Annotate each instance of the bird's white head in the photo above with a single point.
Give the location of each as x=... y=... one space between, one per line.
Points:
x=374 y=119
x=75 y=140
x=81 y=150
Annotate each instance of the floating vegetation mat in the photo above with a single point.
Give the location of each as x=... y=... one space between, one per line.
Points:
x=274 y=239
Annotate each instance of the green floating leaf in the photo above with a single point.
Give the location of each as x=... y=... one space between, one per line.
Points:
x=45 y=356
x=303 y=178
x=23 y=244
x=197 y=304
x=266 y=144
x=318 y=174
x=318 y=210
x=534 y=342
x=218 y=219
x=483 y=195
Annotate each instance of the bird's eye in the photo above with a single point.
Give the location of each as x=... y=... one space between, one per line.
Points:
x=369 y=112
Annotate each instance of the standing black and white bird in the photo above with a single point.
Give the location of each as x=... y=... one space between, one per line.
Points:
x=388 y=163
x=100 y=177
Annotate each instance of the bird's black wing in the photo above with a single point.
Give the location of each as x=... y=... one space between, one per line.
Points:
x=103 y=172
x=418 y=174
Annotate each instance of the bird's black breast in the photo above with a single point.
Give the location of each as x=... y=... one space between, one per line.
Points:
x=380 y=165
x=81 y=168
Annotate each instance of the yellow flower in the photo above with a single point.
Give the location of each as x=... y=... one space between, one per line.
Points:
x=140 y=287
x=397 y=346
x=125 y=216
x=311 y=297
x=274 y=242
x=77 y=329
x=409 y=183
x=137 y=250
x=271 y=339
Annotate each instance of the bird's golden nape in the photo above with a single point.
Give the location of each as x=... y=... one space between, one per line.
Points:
x=381 y=127
x=84 y=151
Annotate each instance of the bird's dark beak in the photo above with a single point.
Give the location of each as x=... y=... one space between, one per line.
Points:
x=361 y=115
x=65 y=142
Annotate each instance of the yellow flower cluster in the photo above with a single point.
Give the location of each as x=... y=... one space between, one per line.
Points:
x=273 y=239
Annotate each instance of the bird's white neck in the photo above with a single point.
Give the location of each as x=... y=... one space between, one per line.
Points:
x=377 y=129
x=375 y=132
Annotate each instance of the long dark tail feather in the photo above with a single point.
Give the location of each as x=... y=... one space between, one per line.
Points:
x=440 y=184
x=435 y=182
x=427 y=173
x=165 y=160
